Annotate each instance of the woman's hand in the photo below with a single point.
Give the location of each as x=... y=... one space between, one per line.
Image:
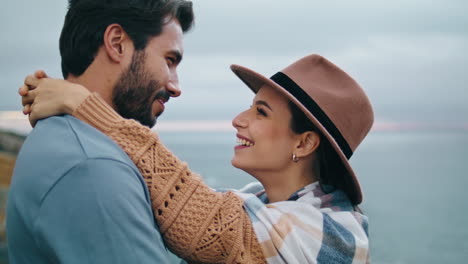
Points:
x=43 y=97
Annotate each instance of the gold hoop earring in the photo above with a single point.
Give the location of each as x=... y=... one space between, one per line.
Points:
x=295 y=158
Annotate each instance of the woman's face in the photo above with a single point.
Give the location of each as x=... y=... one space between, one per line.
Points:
x=265 y=141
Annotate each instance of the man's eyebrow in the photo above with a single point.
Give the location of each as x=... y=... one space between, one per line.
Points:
x=261 y=102
x=177 y=54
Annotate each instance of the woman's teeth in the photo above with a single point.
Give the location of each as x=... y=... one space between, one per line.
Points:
x=243 y=142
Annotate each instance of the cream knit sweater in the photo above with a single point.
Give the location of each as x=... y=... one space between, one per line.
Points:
x=197 y=223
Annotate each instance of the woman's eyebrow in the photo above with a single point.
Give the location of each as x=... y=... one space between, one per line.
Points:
x=261 y=102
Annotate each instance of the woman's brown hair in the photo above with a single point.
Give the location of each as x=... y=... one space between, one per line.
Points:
x=331 y=169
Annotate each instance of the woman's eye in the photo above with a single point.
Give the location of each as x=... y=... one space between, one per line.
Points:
x=261 y=111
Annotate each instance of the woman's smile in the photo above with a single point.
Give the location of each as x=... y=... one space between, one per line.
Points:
x=243 y=142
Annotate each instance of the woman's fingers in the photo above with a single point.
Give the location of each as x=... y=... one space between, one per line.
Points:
x=23 y=90
x=40 y=74
x=28 y=98
x=31 y=81
x=28 y=94
x=27 y=109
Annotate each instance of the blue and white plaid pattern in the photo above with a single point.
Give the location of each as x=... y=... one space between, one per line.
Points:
x=310 y=227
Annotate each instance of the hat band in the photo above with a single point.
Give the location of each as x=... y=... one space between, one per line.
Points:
x=287 y=83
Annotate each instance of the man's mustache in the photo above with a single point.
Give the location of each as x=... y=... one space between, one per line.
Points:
x=163 y=95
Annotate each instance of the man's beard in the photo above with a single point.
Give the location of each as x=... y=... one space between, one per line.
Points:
x=134 y=92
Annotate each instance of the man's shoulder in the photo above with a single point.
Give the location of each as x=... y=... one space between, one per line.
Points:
x=73 y=139
x=68 y=171
x=58 y=145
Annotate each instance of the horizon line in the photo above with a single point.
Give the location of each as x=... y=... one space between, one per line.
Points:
x=16 y=121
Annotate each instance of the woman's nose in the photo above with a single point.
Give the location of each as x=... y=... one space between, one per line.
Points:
x=240 y=121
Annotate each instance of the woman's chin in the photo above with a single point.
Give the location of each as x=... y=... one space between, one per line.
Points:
x=235 y=163
x=242 y=166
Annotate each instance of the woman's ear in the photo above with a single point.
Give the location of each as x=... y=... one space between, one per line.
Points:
x=308 y=143
x=116 y=42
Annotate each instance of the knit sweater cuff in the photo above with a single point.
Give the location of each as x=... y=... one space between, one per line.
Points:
x=96 y=112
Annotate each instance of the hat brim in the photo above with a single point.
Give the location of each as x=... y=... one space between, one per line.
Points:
x=256 y=80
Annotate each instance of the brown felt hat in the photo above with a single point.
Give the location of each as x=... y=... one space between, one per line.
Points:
x=330 y=98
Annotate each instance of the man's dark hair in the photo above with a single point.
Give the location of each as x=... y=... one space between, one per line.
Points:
x=87 y=20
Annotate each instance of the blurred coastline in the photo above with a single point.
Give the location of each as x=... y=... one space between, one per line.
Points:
x=10 y=144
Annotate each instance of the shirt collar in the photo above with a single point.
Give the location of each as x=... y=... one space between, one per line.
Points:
x=313 y=187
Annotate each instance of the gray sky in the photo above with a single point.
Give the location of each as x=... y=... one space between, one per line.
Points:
x=410 y=56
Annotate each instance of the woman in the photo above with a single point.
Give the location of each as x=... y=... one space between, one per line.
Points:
x=295 y=139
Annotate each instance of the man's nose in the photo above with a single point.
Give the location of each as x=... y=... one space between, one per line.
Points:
x=173 y=88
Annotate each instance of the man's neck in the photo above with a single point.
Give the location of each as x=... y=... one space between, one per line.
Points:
x=96 y=80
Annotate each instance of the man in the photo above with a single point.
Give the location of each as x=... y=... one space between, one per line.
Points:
x=76 y=197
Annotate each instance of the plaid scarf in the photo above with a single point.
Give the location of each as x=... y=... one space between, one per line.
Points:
x=310 y=227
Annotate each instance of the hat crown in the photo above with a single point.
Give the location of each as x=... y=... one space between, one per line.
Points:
x=338 y=95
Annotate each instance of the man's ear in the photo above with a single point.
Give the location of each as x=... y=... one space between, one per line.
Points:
x=308 y=142
x=116 y=42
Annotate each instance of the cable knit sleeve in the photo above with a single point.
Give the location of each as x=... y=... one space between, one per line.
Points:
x=197 y=223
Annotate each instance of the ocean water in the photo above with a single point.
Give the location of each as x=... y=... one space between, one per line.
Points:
x=414 y=186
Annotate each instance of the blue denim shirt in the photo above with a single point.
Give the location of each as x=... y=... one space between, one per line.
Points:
x=76 y=197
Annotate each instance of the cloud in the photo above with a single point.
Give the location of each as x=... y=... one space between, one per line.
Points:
x=410 y=56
